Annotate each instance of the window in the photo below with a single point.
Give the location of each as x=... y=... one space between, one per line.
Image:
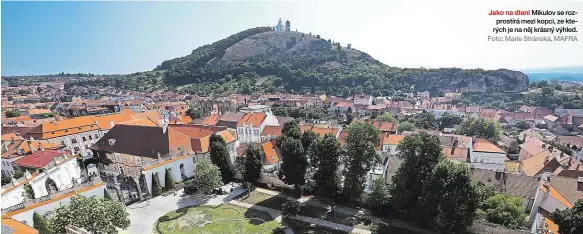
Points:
x=76 y=148
x=84 y=139
x=111 y=142
x=96 y=136
x=90 y=137
x=62 y=142
x=74 y=140
x=121 y=171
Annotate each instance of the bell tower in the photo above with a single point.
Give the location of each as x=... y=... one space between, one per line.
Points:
x=287 y=26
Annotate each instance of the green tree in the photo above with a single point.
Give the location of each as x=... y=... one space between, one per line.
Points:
x=570 y=220
x=291 y=129
x=405 y=126
x=253 y=163
x=96 y=215
x=449 y=198
x=28 y=191
x=295 y=162
x=12 y=113
x=523 y=125
x=379 y=196
x=327 y=160
x=359 y=157
x=193 y=113
x=156 y=189
x=41 y=224
x=308 y=137
x=420 y=153
x=207 y=176
x=504 y=209
x=291 y=208
x=386 y=117
x=220 y=156
x=425 y=120
x=168 y=179
x=23 y=91
x=106 y=195
x=480 y=127
x=6 y=180
x=448 y=120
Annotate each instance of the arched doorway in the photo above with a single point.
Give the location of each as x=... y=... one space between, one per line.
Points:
x=182 y=171
x=51 y=186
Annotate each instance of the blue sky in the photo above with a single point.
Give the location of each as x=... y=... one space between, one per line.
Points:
x=126 y=37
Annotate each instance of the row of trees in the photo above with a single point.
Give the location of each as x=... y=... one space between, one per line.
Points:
x=307 y=157
x=428 y=187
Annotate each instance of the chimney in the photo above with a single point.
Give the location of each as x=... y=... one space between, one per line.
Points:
x=546 y=160
x=112 y=124
x=32 y=149
x=164 y=128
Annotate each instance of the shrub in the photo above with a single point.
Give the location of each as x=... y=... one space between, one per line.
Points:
x=156 y=190
x=310 y=187
x=291 y=208
x=163 y=218
x=169 y=180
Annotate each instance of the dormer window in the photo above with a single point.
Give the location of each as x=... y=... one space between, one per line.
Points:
x=111 y=142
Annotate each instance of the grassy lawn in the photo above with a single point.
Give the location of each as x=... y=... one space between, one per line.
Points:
x=222 y=219
x=265 y=200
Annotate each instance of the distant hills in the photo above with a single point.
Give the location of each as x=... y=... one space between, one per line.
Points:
x=262 y=60
x=570 y=73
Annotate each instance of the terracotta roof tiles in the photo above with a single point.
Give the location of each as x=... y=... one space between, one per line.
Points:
x=253 y=119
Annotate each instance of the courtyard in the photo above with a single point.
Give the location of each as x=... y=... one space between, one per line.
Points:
x=224 y=218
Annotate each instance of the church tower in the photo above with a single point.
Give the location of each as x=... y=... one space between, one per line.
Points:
x=287 y=26
x=279 y=26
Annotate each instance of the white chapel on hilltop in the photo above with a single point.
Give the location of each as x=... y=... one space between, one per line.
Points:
x=280 y=27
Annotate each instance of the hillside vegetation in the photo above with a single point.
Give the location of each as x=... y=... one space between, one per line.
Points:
x=262 y=60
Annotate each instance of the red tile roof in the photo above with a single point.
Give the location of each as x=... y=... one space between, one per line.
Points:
x=271 y=131
x=270 y=153
x=40 y=158
x=392 y=139
x=483 y=145
x=253 y=119
x=211 y=120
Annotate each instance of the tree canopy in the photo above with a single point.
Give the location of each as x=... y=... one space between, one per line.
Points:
x=504 y=209
x=480 y=127
x=405 y=126
x=207 y=176
x=449 y=199
x=219 y=155
x=96 y=215
x=253 y=163
x=327 y=162
x=359 y=157
x=386 y=117
x=570 y=220
x=420 y=153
